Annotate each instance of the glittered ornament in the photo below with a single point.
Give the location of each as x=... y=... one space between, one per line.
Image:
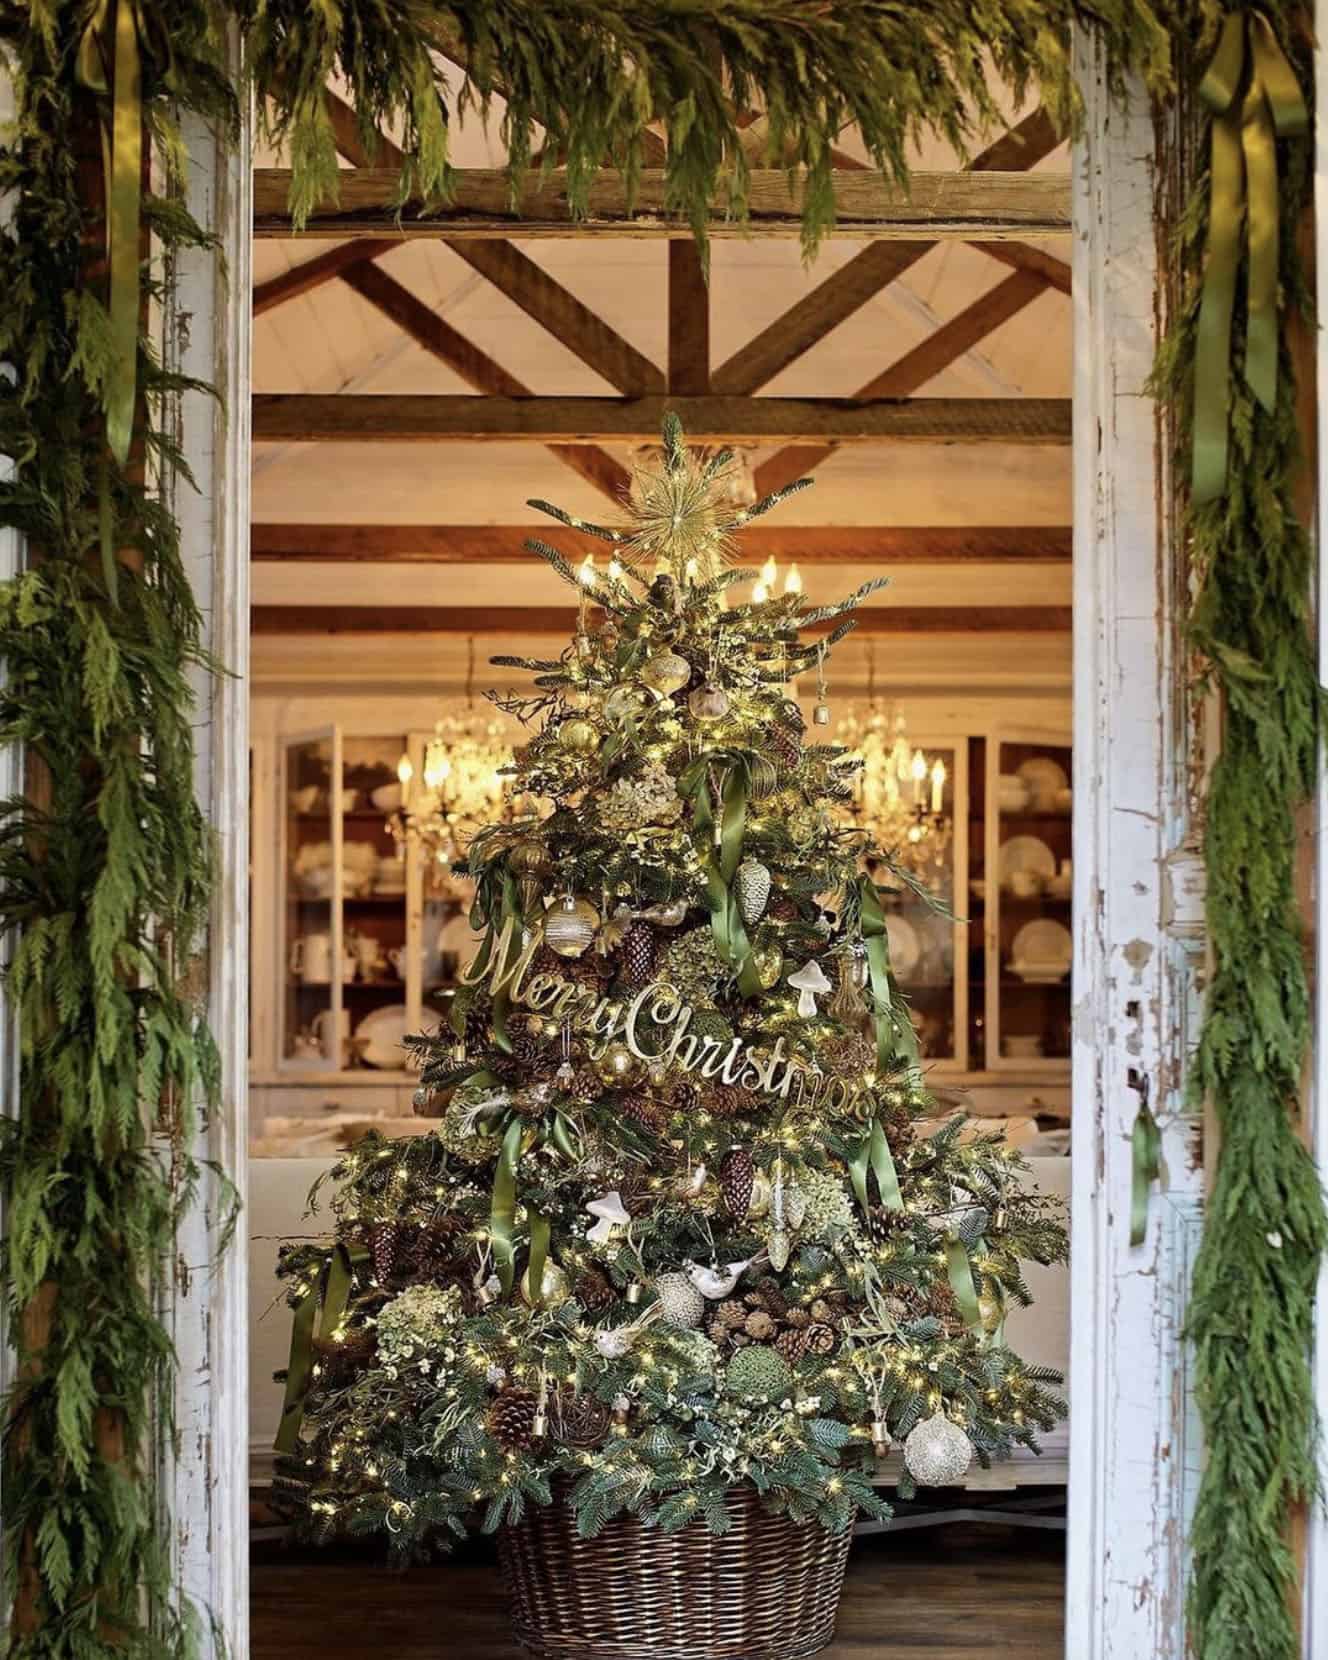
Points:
x=530 y=858
x=570 y=926
x=937 y=1453
x=666 y=672
x=760 y=1374
x=768 y=961
x=709 y=702
x=759 y=1204
x=554 y=1287
x=638 y=954
x=752 y=883
x=779 y=1248
x=580 y=736
x=624 y=703
x=737 y=1178
x=616 y=1064
x=682 y=1304
x=809 y=982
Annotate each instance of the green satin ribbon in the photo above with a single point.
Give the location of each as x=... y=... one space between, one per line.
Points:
x=110 y=64
x=539 y=1256
x=892 y=1036
x=726 y=923
x=331 y=1293
x=1146 y=1167
x=874 y=1155
x=1255 y=98
x=960 y=1270
x=502 y=1199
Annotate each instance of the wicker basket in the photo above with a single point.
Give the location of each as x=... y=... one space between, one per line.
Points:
x=769 y=1587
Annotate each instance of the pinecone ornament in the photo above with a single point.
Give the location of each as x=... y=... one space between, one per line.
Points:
x=753 y=889
x=737 y=1178
x=759 y=1326
x=477 y=1025
x=437 y=1247
x=782 y=909
x=384 y=1238
x=791 y=1344
x=593 y=1291
x=730 y=1101
x=511 y=1419
x=638 y=955
x=819 y=1339
x=644 y=1110
x=786 y=747
x=731 y=1314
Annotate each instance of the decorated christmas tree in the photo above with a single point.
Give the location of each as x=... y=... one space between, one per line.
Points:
x=674 y=1229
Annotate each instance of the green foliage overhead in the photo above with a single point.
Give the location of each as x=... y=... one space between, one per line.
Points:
x=105 y=871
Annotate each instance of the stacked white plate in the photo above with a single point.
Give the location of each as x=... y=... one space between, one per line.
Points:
x=1043 y=951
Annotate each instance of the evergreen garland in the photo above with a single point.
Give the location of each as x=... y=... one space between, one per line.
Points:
x=105 y=868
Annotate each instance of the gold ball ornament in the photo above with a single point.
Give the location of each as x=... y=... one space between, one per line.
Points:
x=617 y=1064
x=570 y=926
x=709 y=702
x=666 y=673
x=554 y=1287
x=762 y=1192
x=579 y=736
x=530 y=858
x=803 y=825
x=768 y=960
x=624 y=703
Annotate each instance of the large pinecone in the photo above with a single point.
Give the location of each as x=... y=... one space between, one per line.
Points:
x=737 y=1176
x=729 y=1100
x=439 y=1246
x=638 y=954
x=786 y=746
x=384 y=1241
x=792 y=1344
x=644 y=1110
x=593 y=1291
x=511 y=1419
x=478 y=1035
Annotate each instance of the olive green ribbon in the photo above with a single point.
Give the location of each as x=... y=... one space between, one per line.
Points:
x=330 y=1292
x=721 y=863
x=1255 y=98
x=1146 y=1167
x=111 y=63
x=874 y=1156
x=502 y=1200
x=960 y=1270
x=892 y=1035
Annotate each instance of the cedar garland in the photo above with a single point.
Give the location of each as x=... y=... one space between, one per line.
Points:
x=105 y=878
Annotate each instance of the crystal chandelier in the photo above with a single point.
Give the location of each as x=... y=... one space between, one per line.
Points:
x=898 y=793
x=462 y=784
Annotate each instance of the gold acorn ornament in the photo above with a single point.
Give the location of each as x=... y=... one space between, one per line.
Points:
x=554 y=1287
x=709 y=702
x=578 y=735
x=570 y=926
x=753 y=888
x=666 y=673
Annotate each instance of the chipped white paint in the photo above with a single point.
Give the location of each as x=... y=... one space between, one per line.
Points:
x=1133 y=1456
x=205 y=324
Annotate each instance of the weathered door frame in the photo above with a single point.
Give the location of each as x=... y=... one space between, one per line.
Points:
x=1139 y=950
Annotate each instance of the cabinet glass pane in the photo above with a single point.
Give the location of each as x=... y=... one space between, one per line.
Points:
x=922 y=939
x=373 y=905
x=448 y=943
x=1033 y=936
x=308 y=1034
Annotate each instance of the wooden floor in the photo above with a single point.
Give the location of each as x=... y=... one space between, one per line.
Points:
x=950 y=1593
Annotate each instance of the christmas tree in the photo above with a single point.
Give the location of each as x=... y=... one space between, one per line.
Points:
x=674 y=1228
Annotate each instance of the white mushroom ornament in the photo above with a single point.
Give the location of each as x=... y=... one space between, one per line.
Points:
x=612 y=1214
x=807 y=982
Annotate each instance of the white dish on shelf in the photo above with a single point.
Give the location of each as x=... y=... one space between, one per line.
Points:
x=379 y=1036
x=905 y=946
x=1039 y=974
x=1028 y=853
x=978 y=887
x=386 y=798
x=1012 y=793
x=1020 y=1048
x=1044 y=943
x=1044 y=777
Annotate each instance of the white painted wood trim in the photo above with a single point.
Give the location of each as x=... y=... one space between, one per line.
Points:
x=206 y=322
x=1132 y=1456
x=1314 y=1631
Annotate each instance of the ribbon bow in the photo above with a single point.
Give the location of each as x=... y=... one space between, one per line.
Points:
x=330 y=1291
x=894 y=1035
x=726 y=817
x=1255 y=98
x=518 y=1136
x=118 y=48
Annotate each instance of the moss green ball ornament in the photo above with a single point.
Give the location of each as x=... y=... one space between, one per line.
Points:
x=579 y=736
x=759 y=1374
x=666 y=672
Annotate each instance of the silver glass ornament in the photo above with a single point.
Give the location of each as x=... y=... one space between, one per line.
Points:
x=937 y=1453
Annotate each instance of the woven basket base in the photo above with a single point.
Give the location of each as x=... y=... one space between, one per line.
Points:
x=767 y=1590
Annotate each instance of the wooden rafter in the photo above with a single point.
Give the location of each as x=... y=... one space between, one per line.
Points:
x=313 y=273
x=508 y=620
x=422 y=418
x=986 y=206
x=437 y=544
x=689 y=321
x=916 y=367
x=464 y=358
x=864 y=276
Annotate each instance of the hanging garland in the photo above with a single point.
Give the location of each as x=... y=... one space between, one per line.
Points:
x=105 y=868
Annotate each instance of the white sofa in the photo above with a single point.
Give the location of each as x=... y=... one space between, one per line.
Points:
x=278 y=1190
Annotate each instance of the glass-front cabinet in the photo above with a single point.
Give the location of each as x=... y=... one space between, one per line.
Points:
x=371 y=933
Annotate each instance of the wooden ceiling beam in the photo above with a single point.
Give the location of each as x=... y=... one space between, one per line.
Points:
x=915 y=368
x=688 y=321
x=475 y=367
x=982 y=205
x=503 y=622
x=864 y=276
x=313 y=273
x=1024 y=257
x=436 y=544
x=422 y=418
